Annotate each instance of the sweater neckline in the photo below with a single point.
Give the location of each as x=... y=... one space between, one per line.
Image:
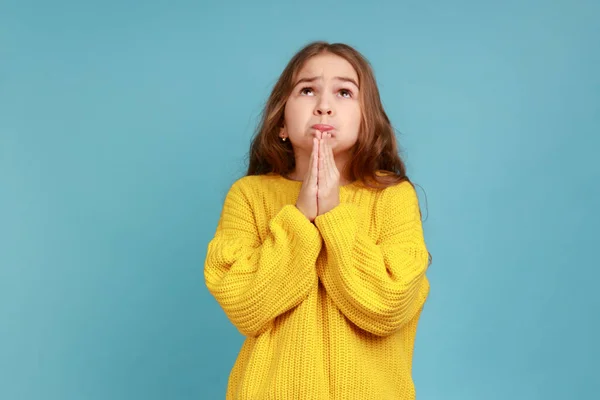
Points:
x=299 y=183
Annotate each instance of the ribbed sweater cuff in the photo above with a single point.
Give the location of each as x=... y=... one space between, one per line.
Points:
x=296 y=223
x=339 y=225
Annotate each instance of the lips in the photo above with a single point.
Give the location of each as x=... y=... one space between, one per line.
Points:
x=323 y=127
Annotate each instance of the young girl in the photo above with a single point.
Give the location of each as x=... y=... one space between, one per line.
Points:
x=319 y=257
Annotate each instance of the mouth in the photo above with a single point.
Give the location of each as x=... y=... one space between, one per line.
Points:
x=323 y=127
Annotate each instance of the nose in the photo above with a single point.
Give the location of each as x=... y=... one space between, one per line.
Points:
x=323 y=107
x=324 y=110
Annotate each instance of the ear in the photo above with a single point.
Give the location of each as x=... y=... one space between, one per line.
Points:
x=281 y=131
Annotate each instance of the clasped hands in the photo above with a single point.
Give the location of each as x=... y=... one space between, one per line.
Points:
x=328 y=176
x=320 y=190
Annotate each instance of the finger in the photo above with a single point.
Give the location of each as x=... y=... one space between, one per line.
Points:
x=317 y=138
x=330 y=156
x=326 y=160
x=308 y=175
x=326 y=157
x=314 y=161
x=321 y=174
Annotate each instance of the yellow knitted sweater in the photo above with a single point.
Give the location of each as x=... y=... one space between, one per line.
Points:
x=329 y=309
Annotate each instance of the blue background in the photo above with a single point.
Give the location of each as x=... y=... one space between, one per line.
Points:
x=123 y=124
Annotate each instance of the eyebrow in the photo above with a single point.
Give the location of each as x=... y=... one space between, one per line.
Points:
x=339 y=78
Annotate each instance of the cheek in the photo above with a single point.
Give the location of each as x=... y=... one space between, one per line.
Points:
x=290 y=115
x=354 y=116
x=292 y=109
x=297 y=113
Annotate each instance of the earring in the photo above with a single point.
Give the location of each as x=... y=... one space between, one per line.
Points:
x=283 y=139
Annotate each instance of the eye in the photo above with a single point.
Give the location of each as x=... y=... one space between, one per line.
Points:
x=304 y=89
x=346 y=91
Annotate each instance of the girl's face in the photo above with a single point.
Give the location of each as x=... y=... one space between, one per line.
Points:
x=325 y=92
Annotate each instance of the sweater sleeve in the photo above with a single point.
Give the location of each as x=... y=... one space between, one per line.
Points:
x=379 y=286
x=255 y=280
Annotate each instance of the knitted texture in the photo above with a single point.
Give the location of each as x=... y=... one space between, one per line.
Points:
x=329 y=310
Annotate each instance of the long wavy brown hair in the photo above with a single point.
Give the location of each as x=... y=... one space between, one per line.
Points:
x=375 y=160
x=375 y=164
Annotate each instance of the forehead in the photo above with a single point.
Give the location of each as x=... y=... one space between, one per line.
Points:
x=327 y=65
